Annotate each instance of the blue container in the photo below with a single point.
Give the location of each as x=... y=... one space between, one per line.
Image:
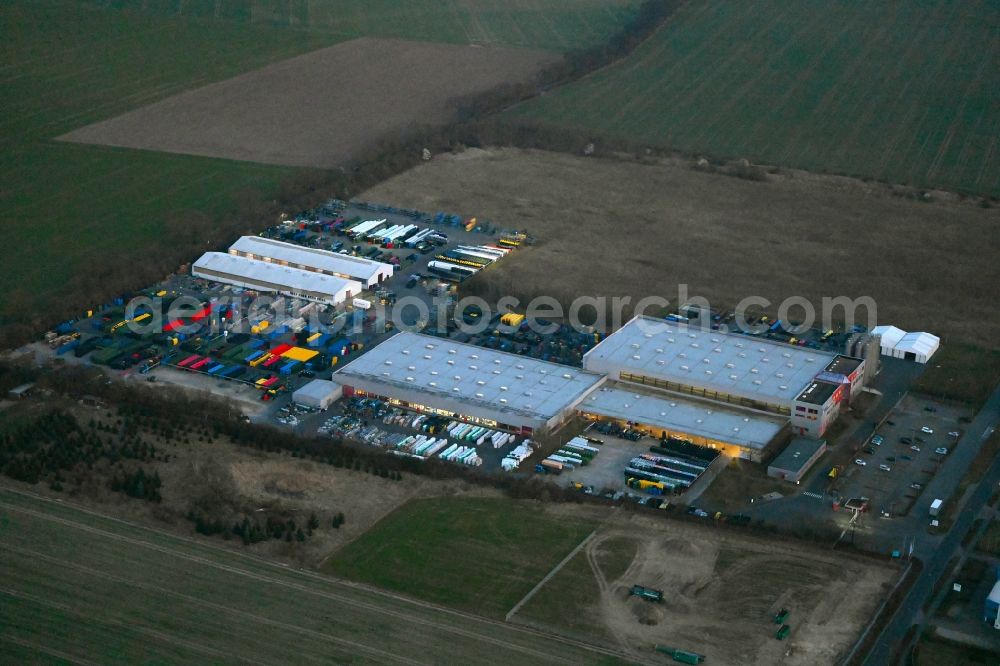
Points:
x=216 y=368
x=287 y=368
x=64 y=328
x=255 y=343
x=321 y=340
x=69 y=346
x=341 y=347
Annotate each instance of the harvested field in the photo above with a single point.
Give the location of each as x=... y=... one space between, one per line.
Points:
x=899 y=91
x=620 y=228
x=321 y=108
x=721 y=592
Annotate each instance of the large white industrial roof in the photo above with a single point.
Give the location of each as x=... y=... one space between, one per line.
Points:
x=261 y=274
x=461 y=372
x=719 y=361
x=322 y=260
x=683 y=415
x=921 y=344
x=890 y=334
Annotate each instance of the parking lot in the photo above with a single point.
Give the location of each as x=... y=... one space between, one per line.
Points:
x=894 y=472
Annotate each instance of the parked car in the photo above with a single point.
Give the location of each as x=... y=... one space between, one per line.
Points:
x=905 y=440
x=927 y=430
x=891 y=458
x=941 y=451
x=915 y=448
x=885 y=468
x=877 y=440
x=869 y=450
x=954 y=433
x=860 y=462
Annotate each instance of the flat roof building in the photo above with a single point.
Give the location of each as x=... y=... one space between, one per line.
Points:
x=318 y=394
x=264 y=276
x=728 y=367
x=738 y=432
x=369 y=273
x=797 y=458
x=434 y=375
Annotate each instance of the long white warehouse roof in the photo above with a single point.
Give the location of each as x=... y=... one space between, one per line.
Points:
x=732 y=363
x=265 y=276
x=311 y=258
x=890 y=335
x=465 y=373
x=683 y=415
x=921 y=344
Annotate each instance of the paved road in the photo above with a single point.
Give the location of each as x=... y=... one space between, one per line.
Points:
x=936 y=560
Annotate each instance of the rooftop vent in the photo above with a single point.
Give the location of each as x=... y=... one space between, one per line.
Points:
x=503 y=400
x=732 y=377
x=411 y=367
x=451 y=362
x=635 y=356
x=659 y=350
x=757 y=382
x=385 y=374
x=474 y=356
x=673 y=404
x=660 y=361
x=458 y=378
x=670 y=340
x=480 y=382
x=427 y=356
x=473 y=367
x=715 y=340
x=496 y=372
x=452 y=351
x=684 y=367
x=787 y=355
x=497 y=361
x=410 y=379
x=457 y=390
x=682 y=355
x=434 y=372
x=518 y=376
x=635 y=345
x=432 y=383
x=648 y=335
x=783 y=387
x=479 y=395
x=742 y=354
x=708 y=372
x=406 y=351
x=503 y=388
x=519 y=366
x=692 y=336
x=388 y=362
x=754 y=371
x=765 y=360
x=429 y=346
x=705 y=360
x=740 y=345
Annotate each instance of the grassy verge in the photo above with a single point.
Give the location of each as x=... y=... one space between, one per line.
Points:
x=480 y=555
x=740 y=481
x=961 y=372
x=982 y=461
x=934 y=652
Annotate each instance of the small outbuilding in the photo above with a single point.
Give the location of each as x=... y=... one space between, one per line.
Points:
x=318 y=394
x=797 y=458
x=889 y=336
x=917 y=347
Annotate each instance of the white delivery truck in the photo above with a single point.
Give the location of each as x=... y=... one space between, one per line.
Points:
x=936 y=508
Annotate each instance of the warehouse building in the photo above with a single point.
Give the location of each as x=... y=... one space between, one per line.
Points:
x=369 y=273
x=469 y=383
x=805 y=386
x=726 y=367
x=318 y=394
x=268 y=277
x=797 y=458
x=738 y=433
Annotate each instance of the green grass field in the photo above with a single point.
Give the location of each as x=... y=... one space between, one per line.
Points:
x=480 y=555
x=548 y=24
x=77 y=587
x=899 y=91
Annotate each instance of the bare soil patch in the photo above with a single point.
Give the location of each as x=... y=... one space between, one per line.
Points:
x=721 y=592
x=622 y=228
x=318 y=109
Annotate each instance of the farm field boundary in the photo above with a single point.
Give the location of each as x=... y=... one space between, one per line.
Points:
x=120 y=593
x=321 y=108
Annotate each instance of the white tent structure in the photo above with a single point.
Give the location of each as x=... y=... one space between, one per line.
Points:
x=917 y=347
x=898 y=343
x=890 y=336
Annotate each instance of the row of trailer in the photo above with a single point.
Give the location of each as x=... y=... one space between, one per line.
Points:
x=465 y=261
x=382 y=233
x=657 y=473
x=577 y=452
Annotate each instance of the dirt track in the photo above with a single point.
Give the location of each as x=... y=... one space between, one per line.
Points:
x=620 y=228
x=320 y=108
x=721 y=592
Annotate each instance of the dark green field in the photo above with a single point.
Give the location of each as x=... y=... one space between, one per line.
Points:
x=77 y=587
x=901 y=91
x=480 y=555
x=546 y=24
